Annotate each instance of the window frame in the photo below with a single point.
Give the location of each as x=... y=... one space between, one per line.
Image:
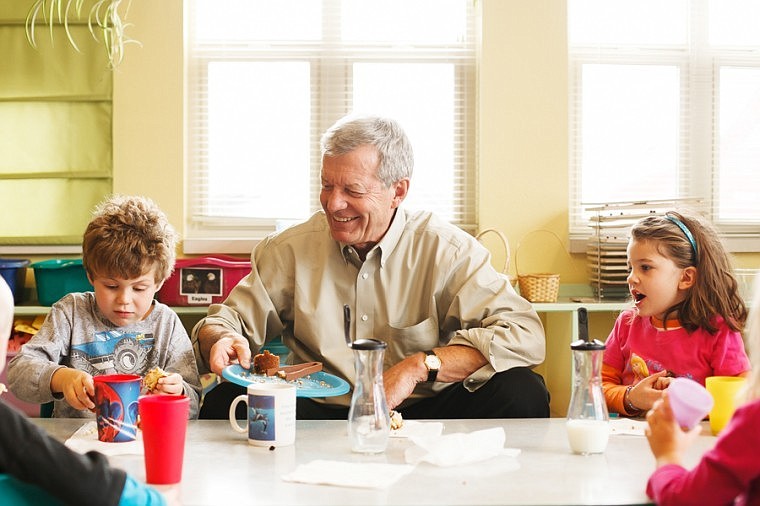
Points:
x=205 y=234
x=698 y=170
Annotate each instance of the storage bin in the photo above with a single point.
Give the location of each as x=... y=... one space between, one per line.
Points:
x=13 y=271
x=203 y=281
x=57 y=277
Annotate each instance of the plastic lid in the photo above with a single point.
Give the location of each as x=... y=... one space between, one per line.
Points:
x=582 y=345
x=368 y=344
x=57 y=263
x=7 y=263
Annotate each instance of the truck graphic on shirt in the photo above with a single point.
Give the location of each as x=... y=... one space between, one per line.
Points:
x=124 y=352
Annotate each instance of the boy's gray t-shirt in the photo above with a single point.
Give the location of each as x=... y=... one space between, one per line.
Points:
x=77 y=335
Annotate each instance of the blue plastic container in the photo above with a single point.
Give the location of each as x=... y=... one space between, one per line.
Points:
x=56 y=278
x=13 y=271
x=276 y=347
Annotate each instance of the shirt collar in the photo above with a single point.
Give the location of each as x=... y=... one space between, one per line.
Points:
x=667 y=325
x=389 y=241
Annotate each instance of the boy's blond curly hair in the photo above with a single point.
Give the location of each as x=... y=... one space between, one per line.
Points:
x=129 y=235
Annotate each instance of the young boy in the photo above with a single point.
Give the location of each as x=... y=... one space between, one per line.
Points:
x=128 y=252
x=34 y=466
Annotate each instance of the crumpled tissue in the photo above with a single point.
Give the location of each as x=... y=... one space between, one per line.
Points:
x=459 y=448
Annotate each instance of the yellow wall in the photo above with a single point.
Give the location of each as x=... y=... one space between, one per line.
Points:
x=523 y=118
x=148 y=108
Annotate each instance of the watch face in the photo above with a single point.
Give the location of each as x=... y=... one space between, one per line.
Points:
x=432 y=362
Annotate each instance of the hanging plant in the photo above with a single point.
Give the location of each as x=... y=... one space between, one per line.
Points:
x=103 y=20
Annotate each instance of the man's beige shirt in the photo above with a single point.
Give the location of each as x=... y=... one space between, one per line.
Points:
x=426 y=284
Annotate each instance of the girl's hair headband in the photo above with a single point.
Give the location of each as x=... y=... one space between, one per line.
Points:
x=686 y=232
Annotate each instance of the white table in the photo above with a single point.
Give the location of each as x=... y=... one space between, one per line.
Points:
x=221 y=468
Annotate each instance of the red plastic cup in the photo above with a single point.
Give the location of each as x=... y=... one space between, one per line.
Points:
x=163 y=421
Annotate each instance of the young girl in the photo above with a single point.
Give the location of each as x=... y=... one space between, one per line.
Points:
x=730 y=472
x=687 y=316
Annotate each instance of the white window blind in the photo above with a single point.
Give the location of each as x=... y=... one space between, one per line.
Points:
x=665 y=103
x=56 y=157
x=267 y=78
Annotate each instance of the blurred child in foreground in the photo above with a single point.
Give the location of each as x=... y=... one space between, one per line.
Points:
x=37 y=469
x=730 y=472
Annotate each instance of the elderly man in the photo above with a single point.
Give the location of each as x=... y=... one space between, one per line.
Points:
x=461 y=342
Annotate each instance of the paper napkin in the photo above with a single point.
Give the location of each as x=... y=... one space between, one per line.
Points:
x=413 y=428
x=628 y=426
x=85 y=439
x=348 y=474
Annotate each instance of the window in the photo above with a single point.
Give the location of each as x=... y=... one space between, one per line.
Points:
x=665 y=103
x=264 y=84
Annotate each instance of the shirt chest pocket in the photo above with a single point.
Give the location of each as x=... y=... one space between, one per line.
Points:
x=405 y=341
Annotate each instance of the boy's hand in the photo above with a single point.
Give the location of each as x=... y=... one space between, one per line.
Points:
x=171 y=384
x=76 y=386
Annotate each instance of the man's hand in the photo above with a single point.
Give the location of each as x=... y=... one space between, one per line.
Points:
x=226 y=351
x=76 y=386
x=399 y=381
x=221 y=347
x=457 y=362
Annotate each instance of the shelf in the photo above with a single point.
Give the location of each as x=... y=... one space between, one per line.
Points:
x=36 y=310
x=574 y=305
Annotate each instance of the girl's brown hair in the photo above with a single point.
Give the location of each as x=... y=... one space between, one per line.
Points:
x=127 y=237
x=715 y=290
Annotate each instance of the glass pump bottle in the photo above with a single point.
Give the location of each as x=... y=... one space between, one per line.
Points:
x=587 y=417
x=369 y=422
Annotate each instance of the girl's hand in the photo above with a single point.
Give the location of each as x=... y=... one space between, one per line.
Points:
x=644 y=394
x=76 y=386
x=667 y=440
x=663 y=382
x=171 y=384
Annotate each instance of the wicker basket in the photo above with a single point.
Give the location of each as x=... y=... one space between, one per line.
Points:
x=538 y=287
x=508 y=253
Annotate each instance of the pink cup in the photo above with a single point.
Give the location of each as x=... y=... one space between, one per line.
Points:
x=690 y=401
x=163 y=421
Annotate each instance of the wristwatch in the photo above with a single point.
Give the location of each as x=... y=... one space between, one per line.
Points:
x=433 y=364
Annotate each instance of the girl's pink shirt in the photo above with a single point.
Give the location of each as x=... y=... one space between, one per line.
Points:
x=696 y=355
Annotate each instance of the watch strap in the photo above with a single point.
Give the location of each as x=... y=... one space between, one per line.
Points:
x=432 y=372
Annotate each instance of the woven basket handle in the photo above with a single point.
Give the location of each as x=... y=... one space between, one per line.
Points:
x=517 y=250
x=504 y=242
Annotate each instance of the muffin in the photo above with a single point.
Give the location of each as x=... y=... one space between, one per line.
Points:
x=264 y=361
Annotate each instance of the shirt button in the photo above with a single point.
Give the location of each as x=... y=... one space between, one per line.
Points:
x=364 y=317
x=365 y=275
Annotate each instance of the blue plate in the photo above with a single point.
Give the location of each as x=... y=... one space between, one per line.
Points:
x=317 y=384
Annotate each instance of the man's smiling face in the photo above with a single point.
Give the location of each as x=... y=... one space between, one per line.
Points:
x=359 y=207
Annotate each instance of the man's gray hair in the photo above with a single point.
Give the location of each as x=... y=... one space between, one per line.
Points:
x=393 y=146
